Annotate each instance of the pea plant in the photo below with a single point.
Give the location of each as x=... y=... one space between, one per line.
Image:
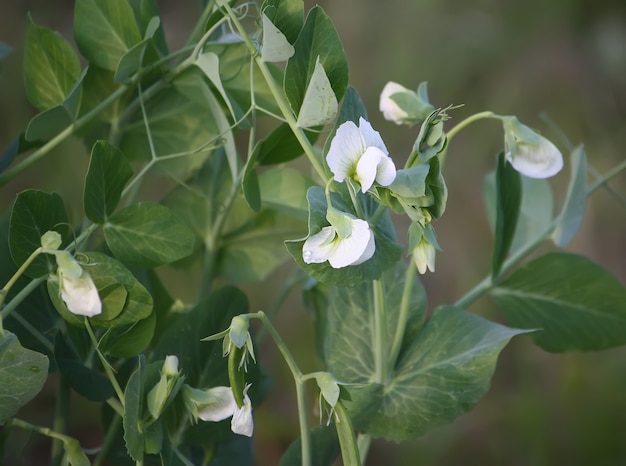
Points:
x=190 y=155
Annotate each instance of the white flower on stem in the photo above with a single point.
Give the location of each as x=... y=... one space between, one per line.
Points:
x=424 y=256
x=347 y=241
x=78 y=290
x=404 y=106
x=530 y=153
x=217 y=404
x=359 y=153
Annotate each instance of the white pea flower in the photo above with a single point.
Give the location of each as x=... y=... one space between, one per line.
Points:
x=424 y=256
x=404 y=106
x=78 y=290
x=217 y=404
x=530 y=153
x=358 y=152
x=347 y=241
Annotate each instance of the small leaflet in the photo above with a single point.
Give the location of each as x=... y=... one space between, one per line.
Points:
x=319 y=105
x=276 y=47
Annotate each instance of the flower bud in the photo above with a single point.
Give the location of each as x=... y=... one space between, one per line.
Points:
x=404 y=106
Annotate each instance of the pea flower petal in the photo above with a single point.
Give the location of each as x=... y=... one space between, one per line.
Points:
x=242 y=422
x=358 y=152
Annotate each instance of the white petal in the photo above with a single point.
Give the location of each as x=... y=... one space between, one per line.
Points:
x=370 y=136
x=368 y=166
x=81 y=295
x=391 y=111
x=355 y=248
x=542 y=160
x=224 y=405
x=242 y=422
x=386 y=171
x=345 y=150
x=368 y=252
x=318 y=247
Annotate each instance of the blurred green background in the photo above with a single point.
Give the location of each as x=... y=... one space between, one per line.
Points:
x=563 y=59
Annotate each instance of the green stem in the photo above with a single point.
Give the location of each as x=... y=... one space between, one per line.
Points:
x=61 y=418
x=469 y=120
x=5 y=290
x=15 y=422
x=109 y=440
x=59 y=138
x=33 y=331
x=403 y=314
x=105 y=363
x=278 y=95
x=305 y=439
x=19 y=297
x=380 y=332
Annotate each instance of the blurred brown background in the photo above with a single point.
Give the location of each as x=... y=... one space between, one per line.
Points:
x=563 y=58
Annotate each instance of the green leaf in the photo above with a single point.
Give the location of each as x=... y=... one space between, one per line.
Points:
x=104 y=31
x=85 y=381
x=319 y=105
x=576 y=304
x=148 y=235
x=209 y=63
x=106 y=177
x=286 y=15
x=22 y=374
x=124 y=300
x=387 y=252
x=535 y=211
x=145 y=11
x=51 y=68
x=133 y=410
x=250 y=186
x=574 y=207
x=508 y=201
x=183 y=337
x=441 y=374
x=97 y=86
x=276 y=47
x=282 y=145
x=125 y=342
x=284 y=189
x=34 y=213
x=317 y=40
x=133 y=60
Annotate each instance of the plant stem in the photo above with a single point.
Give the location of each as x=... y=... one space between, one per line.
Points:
x=109 y=439
x=278 y=95
x=5 y=290
x=403 y=315
x=61 y=418
x=380 y=332
x=303 y=415
x=469 y=120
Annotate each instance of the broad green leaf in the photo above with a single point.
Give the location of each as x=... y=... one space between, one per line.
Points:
x=284 y=189
x=508 y=201
x=148 y=235
x=125 y=342
x=85 y=381
x=282 y=145
x=574 y=207
x=51 y=68
x=106 y=177
x=388 y=251
x=319 y=105
x=34 y=213
x=97 y=86
x=202 y=361
x=182 y=145
x=575 y=303
x=317 y=40
x=133 y=60
x=286 y=15
x=22 y=375
x=145 y=11
x=133 y=411
x=276 y=47
x=250 y=186
x=124 y=300
x=441 y=374
x=535 y=212
x=104 y=31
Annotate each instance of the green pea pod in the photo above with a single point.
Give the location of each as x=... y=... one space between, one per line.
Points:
x=347 y=440
x=236 y=373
